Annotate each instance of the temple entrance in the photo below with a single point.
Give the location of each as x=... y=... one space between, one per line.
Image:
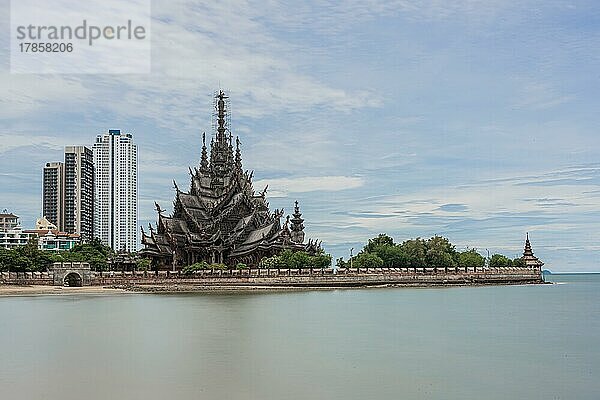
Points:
x=72 y=279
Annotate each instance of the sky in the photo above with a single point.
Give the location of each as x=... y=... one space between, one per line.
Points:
x=475 y=120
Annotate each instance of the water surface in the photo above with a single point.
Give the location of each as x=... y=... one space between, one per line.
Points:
x=501 y=342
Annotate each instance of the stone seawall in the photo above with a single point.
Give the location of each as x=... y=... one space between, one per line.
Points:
x=290 y=278
x=26 y=278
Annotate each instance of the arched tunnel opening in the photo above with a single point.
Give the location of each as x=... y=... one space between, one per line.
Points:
x=73 y=279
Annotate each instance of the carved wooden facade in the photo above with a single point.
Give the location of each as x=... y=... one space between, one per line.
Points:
x=221 y=219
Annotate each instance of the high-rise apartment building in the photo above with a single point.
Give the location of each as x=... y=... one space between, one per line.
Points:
x=115 y=188
x=53 y=193
x=79 y=191
x=68 y=192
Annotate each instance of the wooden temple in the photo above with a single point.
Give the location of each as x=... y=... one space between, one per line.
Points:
x=221 y=219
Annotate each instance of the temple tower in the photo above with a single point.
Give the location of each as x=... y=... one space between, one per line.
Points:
x=297 y=228
x=530 y=260
x=204 y=156
x=221 y=149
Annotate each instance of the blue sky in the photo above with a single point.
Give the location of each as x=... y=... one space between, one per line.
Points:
x=476 y=120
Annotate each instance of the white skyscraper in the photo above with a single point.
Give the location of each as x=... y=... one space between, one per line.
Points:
x=115 y=194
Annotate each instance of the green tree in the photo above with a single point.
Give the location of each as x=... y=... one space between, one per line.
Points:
x=392 y=255
x=500 y=261
x=14 y=260
x=300 y=259
x=284 y=260
x=95 y=253
x=270 y=262
x=440 y=252
x=297 y=259
x=471 y=258
x=6 y=259
x=143 y=264
x=21 y=263
x=340 y=263
x=241 y=266
x=367 y=260
x=95 y=247
x=381 y=240
x=190 y=269
x=29 y=258
x=518 y=262
x=416 y=251
x=322 y=260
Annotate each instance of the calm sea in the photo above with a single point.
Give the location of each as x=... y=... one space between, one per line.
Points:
x=510 y=342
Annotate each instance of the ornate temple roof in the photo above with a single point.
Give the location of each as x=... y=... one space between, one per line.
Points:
x=528 y=257
x=221 y=218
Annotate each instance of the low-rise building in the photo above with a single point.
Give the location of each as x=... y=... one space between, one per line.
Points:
x=15 y=237
x=53 y=240
x=46 y=233
x=8 y=221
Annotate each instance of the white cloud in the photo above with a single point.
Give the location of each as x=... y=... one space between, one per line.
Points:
x=539 y=96
x=331 y=17
x=12 y=141
x=282 y=187
x=196 y=47
x=27 y=95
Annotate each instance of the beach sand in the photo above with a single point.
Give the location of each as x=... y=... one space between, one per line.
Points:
x=15 y=290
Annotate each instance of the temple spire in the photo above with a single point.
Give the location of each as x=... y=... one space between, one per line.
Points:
x=297 y=227
x=238 y=154
x=204 y=157
x=212 y=153
x=529 y=259
x=230 y=153
x=221 y=152
x=527 y=251
x=221 y=113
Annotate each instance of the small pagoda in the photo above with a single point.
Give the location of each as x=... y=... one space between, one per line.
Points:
x=221 y=219
x=529 y=259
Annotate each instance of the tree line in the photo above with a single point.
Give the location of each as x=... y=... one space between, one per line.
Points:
x=297 y=259
x=380 y=251
x=436 y=251
x=29 y=258
x=286 y=259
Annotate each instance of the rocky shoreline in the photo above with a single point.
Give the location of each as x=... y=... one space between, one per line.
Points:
x=166 y=288
x=190 y=288
x=34 y=290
